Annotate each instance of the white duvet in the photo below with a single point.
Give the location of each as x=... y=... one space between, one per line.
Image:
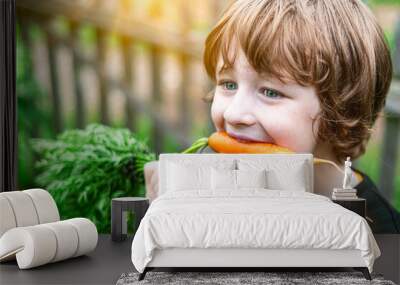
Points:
x=253 y=218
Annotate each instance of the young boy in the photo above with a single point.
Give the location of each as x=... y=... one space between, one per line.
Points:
x=311 y=76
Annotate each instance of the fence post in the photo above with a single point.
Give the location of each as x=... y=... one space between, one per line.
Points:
x=25 y=22
x=52 y=58
x=76 y=64
x=184 y=107
x=184 y=61
x=389 y=155
x=24 y=29
x=157 y=135
x=103 y=86
x=127 y=58
x=396 y=57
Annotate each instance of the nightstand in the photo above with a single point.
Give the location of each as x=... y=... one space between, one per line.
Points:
x=358 y=205
x=119 y=208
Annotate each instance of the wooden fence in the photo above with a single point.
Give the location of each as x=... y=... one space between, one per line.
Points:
x=130 y=31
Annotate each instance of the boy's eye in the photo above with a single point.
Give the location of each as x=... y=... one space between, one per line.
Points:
x=270 y=93
x=229 y=85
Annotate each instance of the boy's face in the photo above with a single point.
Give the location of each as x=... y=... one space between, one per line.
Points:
x=263 y=108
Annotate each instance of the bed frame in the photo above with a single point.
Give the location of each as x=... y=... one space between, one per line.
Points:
x=240 y=259
x=250 y=258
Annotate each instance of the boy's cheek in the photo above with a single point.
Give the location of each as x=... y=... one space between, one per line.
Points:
x=298 y=139
x=302 y=144
x=293 y=133
x=218 y=108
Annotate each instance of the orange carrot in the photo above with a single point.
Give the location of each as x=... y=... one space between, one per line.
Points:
x=223 y=143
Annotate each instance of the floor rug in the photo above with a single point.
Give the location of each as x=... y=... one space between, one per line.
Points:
x=230 y=278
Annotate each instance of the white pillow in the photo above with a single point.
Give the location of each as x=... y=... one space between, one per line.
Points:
x=251 y=178
x=282 y=174
x=183 y=177
x=279 y=180
x=223 y=179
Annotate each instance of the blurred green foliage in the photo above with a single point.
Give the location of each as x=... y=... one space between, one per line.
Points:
x=85 y=169
x=382 y=2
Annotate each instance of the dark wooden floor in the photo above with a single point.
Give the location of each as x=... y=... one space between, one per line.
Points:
x=110 y=259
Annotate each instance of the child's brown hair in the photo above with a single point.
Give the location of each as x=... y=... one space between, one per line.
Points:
x=334 y=45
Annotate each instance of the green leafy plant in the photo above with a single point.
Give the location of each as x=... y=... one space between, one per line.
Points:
x=85 y=169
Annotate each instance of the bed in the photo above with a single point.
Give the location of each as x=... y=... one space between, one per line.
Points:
x=247 y=210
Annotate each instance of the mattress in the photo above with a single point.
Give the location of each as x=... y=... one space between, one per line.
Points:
x=250 y=219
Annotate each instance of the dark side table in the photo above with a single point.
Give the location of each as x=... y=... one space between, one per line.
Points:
x=356 y=205
x=119 y=208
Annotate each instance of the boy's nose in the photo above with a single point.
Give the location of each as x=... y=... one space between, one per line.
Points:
x=240 y=111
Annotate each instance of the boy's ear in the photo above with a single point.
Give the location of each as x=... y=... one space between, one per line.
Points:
x=316 y=124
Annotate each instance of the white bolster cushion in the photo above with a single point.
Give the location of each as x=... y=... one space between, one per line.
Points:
x=26 y=208
x=7 y=219
x=45 y=205
x=24 y=211
x=87 y=234
x=32 y=246
x=66 y=239
x=40 y=244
